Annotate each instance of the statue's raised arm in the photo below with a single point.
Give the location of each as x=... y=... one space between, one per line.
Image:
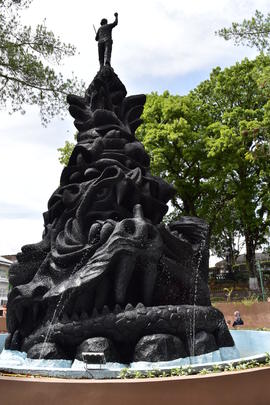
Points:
x=104 y=38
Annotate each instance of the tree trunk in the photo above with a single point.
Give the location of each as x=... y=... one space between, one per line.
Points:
x=250 y=255
x=189 y=207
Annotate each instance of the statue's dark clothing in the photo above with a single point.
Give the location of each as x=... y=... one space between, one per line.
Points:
x=105 y=32
x=104 y=38
x=104 y=52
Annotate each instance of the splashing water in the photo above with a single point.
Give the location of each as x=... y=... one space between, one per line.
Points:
x=196 y=269
x=60 y=306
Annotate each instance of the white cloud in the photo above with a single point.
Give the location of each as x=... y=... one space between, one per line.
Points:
x=18 y=232
x=154 y=36
x=29 y=173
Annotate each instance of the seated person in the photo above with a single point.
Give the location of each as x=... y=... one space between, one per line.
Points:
x=237 y=319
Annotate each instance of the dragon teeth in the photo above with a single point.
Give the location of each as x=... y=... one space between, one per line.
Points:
x=129 y=307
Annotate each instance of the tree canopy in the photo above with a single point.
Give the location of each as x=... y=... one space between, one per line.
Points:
x=26 y=58
x=213 y=145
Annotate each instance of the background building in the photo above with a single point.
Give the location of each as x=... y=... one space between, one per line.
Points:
x=4 y=285
x=239 y=268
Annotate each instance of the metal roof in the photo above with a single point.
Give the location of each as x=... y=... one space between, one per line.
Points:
x=3 y=260
x=241 y=259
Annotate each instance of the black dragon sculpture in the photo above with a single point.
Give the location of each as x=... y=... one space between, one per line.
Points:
x=108 y=275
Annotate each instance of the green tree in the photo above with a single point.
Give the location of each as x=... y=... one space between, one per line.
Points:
x=236 y=140
x=65 y=151
x=26 y=56
x=209 y=143
x=226 y=233
x=253 y=33
x=173 y=133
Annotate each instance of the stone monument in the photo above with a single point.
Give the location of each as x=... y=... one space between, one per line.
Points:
x=108 y=275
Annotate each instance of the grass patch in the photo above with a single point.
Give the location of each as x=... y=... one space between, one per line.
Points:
x=249 y=301
x=188 y=370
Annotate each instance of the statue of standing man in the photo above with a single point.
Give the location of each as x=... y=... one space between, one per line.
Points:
x=104 y=38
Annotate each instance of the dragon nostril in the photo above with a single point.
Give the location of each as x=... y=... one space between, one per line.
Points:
x=40 y=290
x=129 y=227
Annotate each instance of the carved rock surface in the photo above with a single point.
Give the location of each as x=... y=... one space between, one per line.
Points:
x=46 y=351
x=204 y=343
x=159 y=347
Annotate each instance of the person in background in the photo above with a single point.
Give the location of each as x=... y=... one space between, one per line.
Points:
x=4 y=310
x=237 y=319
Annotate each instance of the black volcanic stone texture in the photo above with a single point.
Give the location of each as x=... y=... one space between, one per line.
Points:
x=159 y=347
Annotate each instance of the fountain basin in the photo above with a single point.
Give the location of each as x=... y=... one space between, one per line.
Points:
x=248 y=386
x=250 y=345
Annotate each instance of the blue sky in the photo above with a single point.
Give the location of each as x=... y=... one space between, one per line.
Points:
x=158 y=45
